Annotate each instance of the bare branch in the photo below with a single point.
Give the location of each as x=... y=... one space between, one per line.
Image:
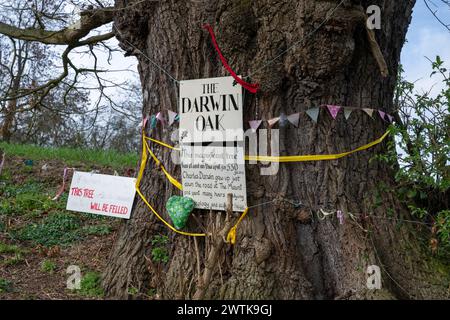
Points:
x=90 y=20
x=434 y=13
x=95 y=39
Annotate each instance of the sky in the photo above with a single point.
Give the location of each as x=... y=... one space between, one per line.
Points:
x=426 y=38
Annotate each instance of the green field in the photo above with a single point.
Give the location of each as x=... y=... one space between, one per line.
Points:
x=39 y=239
x=72 y=156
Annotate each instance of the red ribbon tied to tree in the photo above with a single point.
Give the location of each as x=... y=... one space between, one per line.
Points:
x=251 y=87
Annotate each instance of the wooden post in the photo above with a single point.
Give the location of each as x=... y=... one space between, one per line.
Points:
x=218 y=240
x=229 y=204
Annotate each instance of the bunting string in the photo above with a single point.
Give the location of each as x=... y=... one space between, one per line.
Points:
x=313 y=114
x=283 y=119
x=253 y=88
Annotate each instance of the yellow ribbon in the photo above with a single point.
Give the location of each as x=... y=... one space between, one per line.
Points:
x=315 y=157
x=174 y=181
x=138 y=190
x=231 y=237
x=162 y=144
x=302 y=158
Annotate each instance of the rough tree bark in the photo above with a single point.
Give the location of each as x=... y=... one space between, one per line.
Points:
x=281 y=252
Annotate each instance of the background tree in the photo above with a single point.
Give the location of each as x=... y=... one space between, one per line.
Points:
x=61 y=111
x=20 y=62
x=420 y=155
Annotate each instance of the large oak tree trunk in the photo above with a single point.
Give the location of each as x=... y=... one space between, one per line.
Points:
x=282 y=252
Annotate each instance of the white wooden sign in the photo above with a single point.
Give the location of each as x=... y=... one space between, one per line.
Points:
x=210 y=173
x=210 y=110
x=101 y=194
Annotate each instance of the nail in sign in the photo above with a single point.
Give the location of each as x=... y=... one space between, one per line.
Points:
x=101 y=194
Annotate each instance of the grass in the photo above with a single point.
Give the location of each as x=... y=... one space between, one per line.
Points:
x=90 y=285
x=97 y=230
x=16 y=252
x=43 y=221
x=25 y=202
x=30 y=220
x=159 y=249
x=48 y=266
x=16 y=259
x=11 y=249
x=133 y=291
x=56 y=229
x=5 y=285
x=72 y=156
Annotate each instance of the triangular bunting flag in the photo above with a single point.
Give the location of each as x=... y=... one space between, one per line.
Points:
x=391 y=118
x=283 y=120
x=313 y=113
x=160 y=117
x=172 y=116
x=153 y=122
x=294 y=119
x=382 y=114
x=273 y=121
x=368 y=111
x=334 y=110
x=144 y=122
x=254 y=124
x=347 y=113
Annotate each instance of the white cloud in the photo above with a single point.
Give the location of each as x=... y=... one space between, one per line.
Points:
x=425 y=42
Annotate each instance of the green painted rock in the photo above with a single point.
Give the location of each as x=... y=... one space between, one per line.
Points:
x=179 y=209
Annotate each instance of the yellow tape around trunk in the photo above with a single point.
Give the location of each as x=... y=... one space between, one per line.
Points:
x=138 y=190
x=316 y=157
x=158 y=163
x=302 y=158
x=162 y=143
x=231 y=237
